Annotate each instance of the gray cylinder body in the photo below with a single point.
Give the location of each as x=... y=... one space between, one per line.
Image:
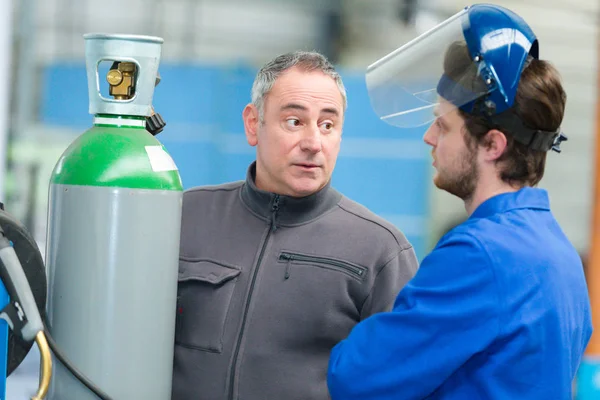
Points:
x=112 y=261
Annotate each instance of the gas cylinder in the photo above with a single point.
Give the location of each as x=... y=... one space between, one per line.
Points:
x=114 y=215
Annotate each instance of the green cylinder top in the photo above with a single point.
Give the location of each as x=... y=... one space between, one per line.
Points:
x=117 y=151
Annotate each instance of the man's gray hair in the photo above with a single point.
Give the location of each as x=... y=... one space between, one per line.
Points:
x=306 y=60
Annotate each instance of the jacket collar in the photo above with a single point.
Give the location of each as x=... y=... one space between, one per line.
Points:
x=527 y=197
x=287 y=210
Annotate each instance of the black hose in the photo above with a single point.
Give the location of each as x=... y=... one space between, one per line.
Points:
x=76 y=373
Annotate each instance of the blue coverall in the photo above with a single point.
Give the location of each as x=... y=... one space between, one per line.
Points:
x=498 y=310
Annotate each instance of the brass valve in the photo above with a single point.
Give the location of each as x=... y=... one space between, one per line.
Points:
x=121 y=79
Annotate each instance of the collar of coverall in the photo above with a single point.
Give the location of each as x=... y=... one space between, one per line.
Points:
x=525 y=198
x=290 y=210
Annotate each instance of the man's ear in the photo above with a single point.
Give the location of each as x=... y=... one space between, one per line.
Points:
x=494 y=145
x=251 y=121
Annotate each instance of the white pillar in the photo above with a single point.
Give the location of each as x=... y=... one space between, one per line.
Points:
x=6 y=41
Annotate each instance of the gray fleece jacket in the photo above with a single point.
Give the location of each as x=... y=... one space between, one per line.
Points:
x=268 y=284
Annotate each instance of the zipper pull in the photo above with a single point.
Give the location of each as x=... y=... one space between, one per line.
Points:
x=289 y=258
x=287 y=270
x=274 y=210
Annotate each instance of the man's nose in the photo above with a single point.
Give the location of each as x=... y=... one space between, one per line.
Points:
x=430 y=136
x=311 y=142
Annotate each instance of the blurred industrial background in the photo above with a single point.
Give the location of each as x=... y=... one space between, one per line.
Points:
x=211 y=52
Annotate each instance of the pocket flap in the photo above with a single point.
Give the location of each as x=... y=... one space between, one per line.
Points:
x=206 y=271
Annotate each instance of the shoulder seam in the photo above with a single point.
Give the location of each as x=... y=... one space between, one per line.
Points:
x=213 y=189
x=374 y=222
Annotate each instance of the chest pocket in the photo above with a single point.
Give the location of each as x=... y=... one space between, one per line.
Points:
x=291 y=258
x=204 y=293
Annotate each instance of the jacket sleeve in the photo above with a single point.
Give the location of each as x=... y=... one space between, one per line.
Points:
x=447 y=313
x=390 y=279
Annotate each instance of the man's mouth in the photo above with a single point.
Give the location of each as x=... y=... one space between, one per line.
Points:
x=307 y=165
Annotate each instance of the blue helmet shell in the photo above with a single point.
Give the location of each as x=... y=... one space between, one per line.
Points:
x=499 y=42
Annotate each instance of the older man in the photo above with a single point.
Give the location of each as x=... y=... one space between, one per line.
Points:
x=277 y=269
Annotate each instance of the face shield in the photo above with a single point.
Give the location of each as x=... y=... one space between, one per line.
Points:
x=407 y=86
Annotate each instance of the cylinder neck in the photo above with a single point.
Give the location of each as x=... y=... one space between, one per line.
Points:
x=120 y=121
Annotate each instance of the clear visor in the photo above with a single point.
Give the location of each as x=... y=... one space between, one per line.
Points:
x=407 y=85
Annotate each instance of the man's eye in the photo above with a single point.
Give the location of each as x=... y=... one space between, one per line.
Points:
x=327 y=125
x=293 y=122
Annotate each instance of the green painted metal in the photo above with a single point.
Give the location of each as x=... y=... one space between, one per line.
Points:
x=125 y=157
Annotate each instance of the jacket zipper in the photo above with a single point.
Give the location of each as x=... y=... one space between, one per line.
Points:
x=353 y=269
x=272 y=228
